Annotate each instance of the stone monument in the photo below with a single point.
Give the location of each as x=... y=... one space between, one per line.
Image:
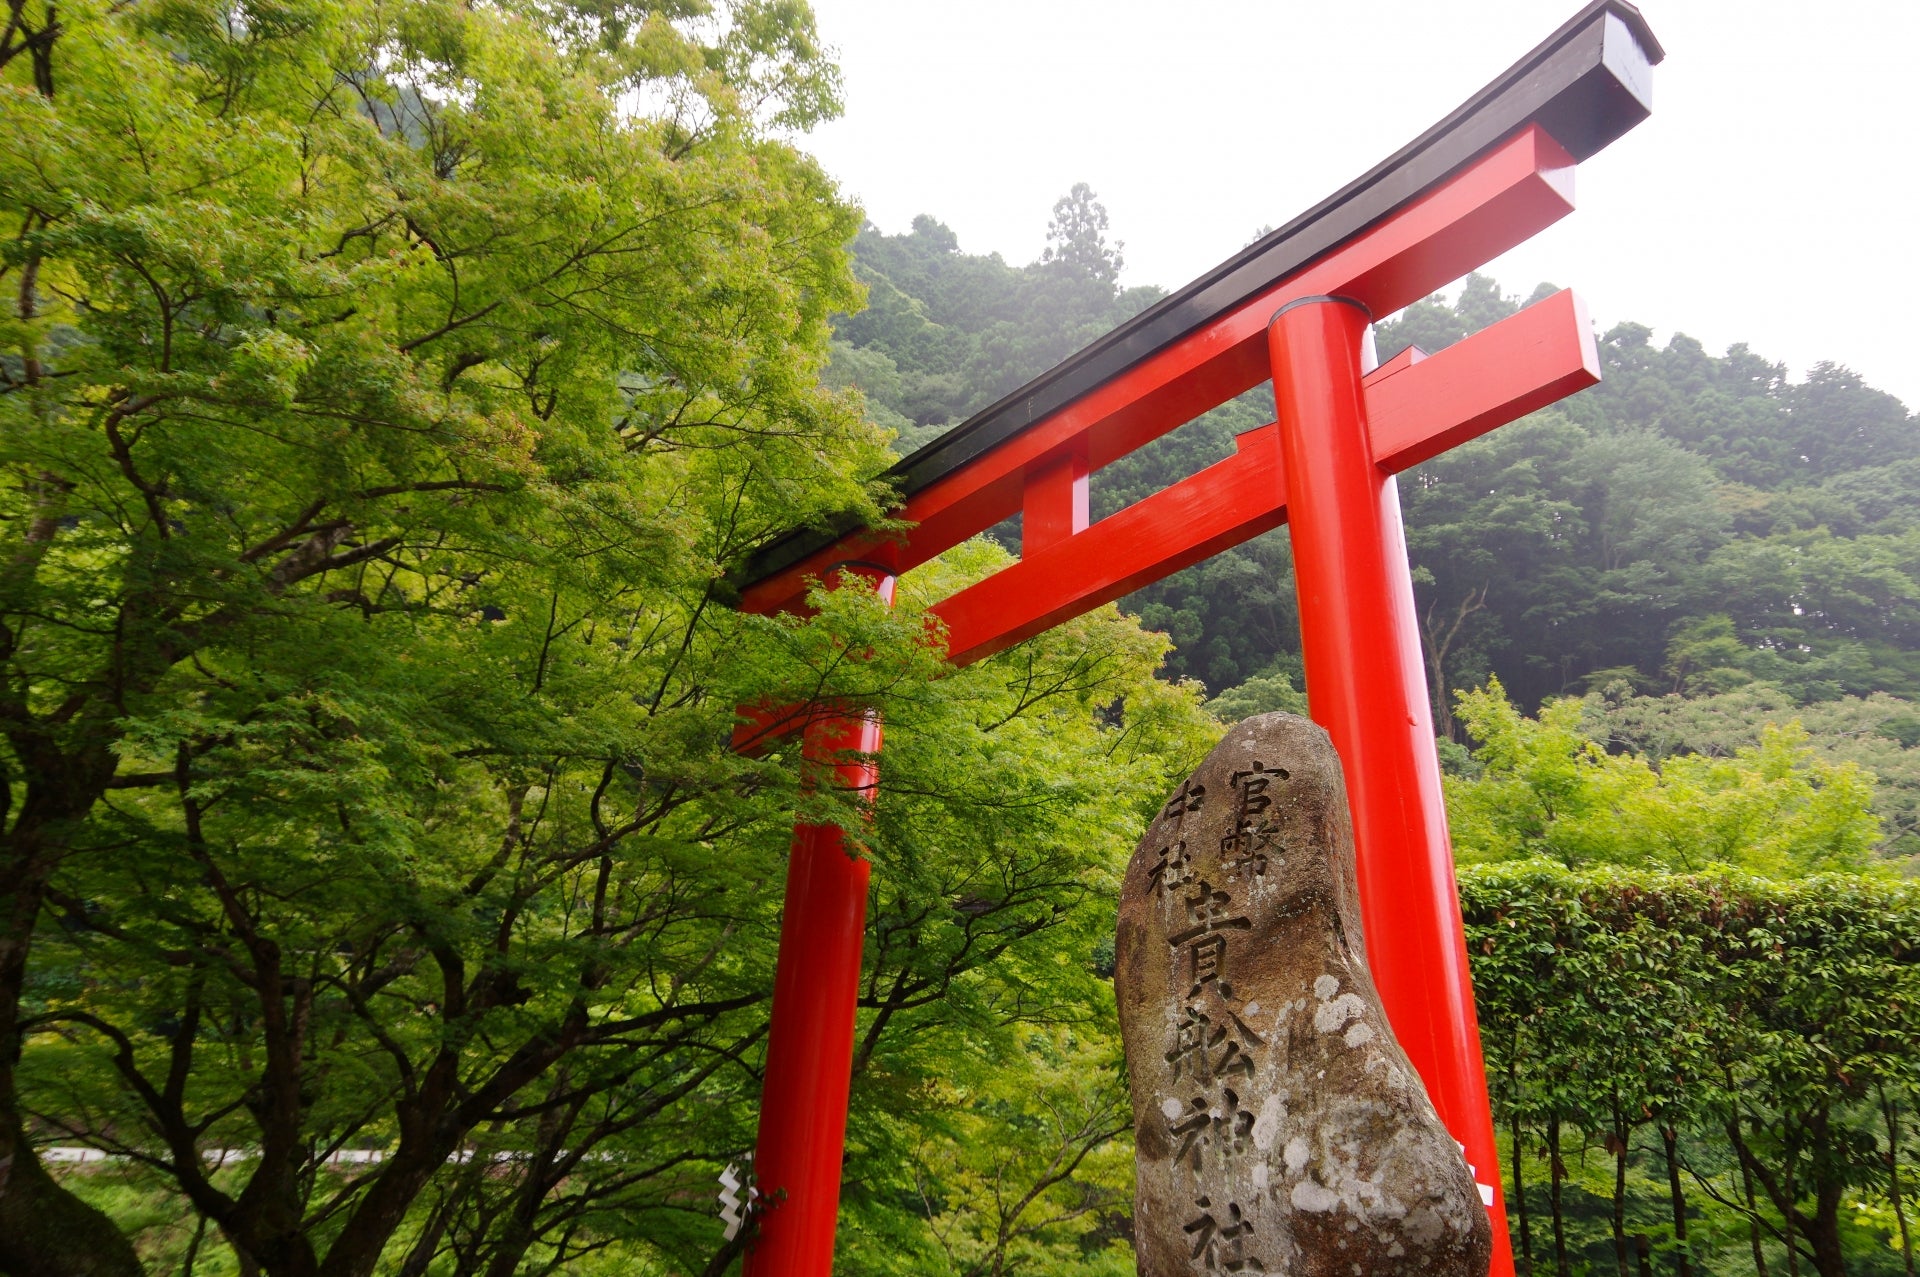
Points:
x=1279 y=1127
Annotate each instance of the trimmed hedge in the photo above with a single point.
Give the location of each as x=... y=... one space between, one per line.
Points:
x=1767 y=1032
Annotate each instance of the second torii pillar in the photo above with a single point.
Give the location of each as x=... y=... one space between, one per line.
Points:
x=1365 y=684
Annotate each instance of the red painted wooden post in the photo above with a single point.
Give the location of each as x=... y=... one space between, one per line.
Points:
x=1053 y=500
x=816 y=983
x=1366 y=686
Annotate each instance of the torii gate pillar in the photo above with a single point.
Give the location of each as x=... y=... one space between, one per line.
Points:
x=816 y=987
x=1365 y=684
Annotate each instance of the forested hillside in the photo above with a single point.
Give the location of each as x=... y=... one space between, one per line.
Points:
x=1700 y=543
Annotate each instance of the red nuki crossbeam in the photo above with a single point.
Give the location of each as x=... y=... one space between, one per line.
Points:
x=1416 y=408
x=1325 y=466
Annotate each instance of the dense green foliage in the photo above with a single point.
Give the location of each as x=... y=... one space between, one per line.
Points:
x=386 y=388
x=1718 y=1064
x=1749 y=1025
x=1544 y=788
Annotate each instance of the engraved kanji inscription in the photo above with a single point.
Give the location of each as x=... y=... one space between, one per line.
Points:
x=1206 y=1048
x=1173 y=870
x=1189 y=798
x=1189 y=1125
x=1221 y=1125
x=1251 y=785
x=1232 y=1125
x=1221 y=1245
x=1272 y=1135
x=1205 y=939
x=1246 y=846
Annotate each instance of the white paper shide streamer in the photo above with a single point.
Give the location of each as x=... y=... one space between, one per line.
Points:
x=735 y=1206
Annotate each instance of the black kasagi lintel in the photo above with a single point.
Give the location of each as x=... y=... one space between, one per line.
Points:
x=1586 y=84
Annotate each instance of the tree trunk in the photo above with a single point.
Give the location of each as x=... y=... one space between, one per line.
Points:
x=1821 y=1228
x=1823 y=1232
x=432 y=1124
x=1556 y=1172
x=1891 y=1112
x=1746 y=1186
x=1437 y=646
x=1670 y=1137
x=1617 y=1145
x=1787 y=1211
x=193 y=1247
x=1520 y=1202
x=1643 y=1249
x=522 y=1226
x=358 y=1247
x=426 y=1246
x=45 y=1231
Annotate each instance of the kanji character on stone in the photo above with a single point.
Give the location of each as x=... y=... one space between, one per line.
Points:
x=1252 y=785
x=1188 y=799
x=1173 y=869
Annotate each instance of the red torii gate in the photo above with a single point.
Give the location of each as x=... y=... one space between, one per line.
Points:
x=1295 y=307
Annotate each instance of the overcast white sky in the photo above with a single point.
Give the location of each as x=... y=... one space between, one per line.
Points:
x=1770 y=199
